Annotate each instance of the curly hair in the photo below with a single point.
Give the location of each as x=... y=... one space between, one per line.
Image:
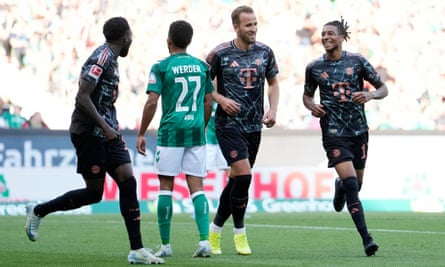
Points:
x=115 y=28
x=342 y=27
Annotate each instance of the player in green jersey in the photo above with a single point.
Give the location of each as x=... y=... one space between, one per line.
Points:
x=184 y=83
x=215 y=157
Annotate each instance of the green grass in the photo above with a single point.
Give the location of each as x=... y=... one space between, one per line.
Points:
x=298 y=239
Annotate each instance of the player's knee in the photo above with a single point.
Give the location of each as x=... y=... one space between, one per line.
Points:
x=350 y=184
x=128 y=185
x=94 y=196
x=242 y=183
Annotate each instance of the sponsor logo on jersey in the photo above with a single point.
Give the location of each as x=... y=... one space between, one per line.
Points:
x=95 y=72
x=234 y=64
x=324 y=75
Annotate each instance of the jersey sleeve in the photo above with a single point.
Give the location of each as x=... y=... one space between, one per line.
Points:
x=213 y=62
x=370 y=74
x=272 y=66
x=208 y=82
x=154 y=80
x=96 y=65
x=310 y=83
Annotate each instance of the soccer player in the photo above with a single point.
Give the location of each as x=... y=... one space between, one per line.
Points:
x=99 y=146
x=340 y=76
x=241 y=68
x=184 y=83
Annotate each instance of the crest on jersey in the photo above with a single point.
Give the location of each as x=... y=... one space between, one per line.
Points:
x=336 y=153
x=95 y=72
x=349 y=71
x=152 y=78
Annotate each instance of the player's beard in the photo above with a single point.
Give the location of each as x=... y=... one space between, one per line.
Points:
x=124 y=50
x=247 y=39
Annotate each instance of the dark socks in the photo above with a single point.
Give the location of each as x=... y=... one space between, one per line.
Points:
x=71 y=200
x=355 y=208
x=130 y=211
x=239 y=197
x=223 y=212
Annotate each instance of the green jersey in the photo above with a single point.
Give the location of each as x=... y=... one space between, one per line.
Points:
x=182 y=81
x=210 y=133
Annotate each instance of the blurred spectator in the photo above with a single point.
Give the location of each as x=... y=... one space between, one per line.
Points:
x=57 y=42
x=18 y=43
x=16 y=120
x=4 y=110
x=35 y=122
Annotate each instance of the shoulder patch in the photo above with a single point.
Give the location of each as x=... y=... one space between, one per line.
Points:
x=152 y=78
x=95 y=72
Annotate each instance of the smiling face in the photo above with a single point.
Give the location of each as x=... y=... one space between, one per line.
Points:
x=246 y=29
x=331 y=39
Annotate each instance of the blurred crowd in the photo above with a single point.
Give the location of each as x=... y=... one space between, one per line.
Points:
x=46 y=41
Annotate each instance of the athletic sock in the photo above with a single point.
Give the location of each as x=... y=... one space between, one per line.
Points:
x=130 y=211
x=165 y=211
x=70 y=200
x=355 y=206
x=237 y=231
x=201 y=207
x=215 y=228
x=239 y=198
x=223 y=212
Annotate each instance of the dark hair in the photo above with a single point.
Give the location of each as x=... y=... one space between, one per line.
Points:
x=237 y=11
x=342 y=27
x=115 y=28
x=181 y=33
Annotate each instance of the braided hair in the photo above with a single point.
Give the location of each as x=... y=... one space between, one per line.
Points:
x=342 y=27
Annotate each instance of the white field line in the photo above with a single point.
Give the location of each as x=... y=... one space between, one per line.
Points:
x=307 y=227
x=327 y=228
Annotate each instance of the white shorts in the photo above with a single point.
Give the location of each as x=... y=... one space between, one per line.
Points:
x=215 y=158
x=171 y=161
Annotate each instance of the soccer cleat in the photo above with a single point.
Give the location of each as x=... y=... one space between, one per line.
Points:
x=32 y=223
x=241 y=244
x=164 y=251
x=370 y=247
x=215 y=242
x=203 y=250
x=143 y=256
x=339 y=195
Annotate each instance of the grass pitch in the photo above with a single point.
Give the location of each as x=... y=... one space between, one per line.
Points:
x=297 y=239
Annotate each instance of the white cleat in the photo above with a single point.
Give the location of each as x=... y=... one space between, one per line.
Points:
x=164 y=251
x=204 y=250
x=32 y=223
x=143 y=256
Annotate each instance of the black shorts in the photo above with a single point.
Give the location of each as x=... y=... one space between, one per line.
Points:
x=340 y=149
x=236 y=145
x=95 y=157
